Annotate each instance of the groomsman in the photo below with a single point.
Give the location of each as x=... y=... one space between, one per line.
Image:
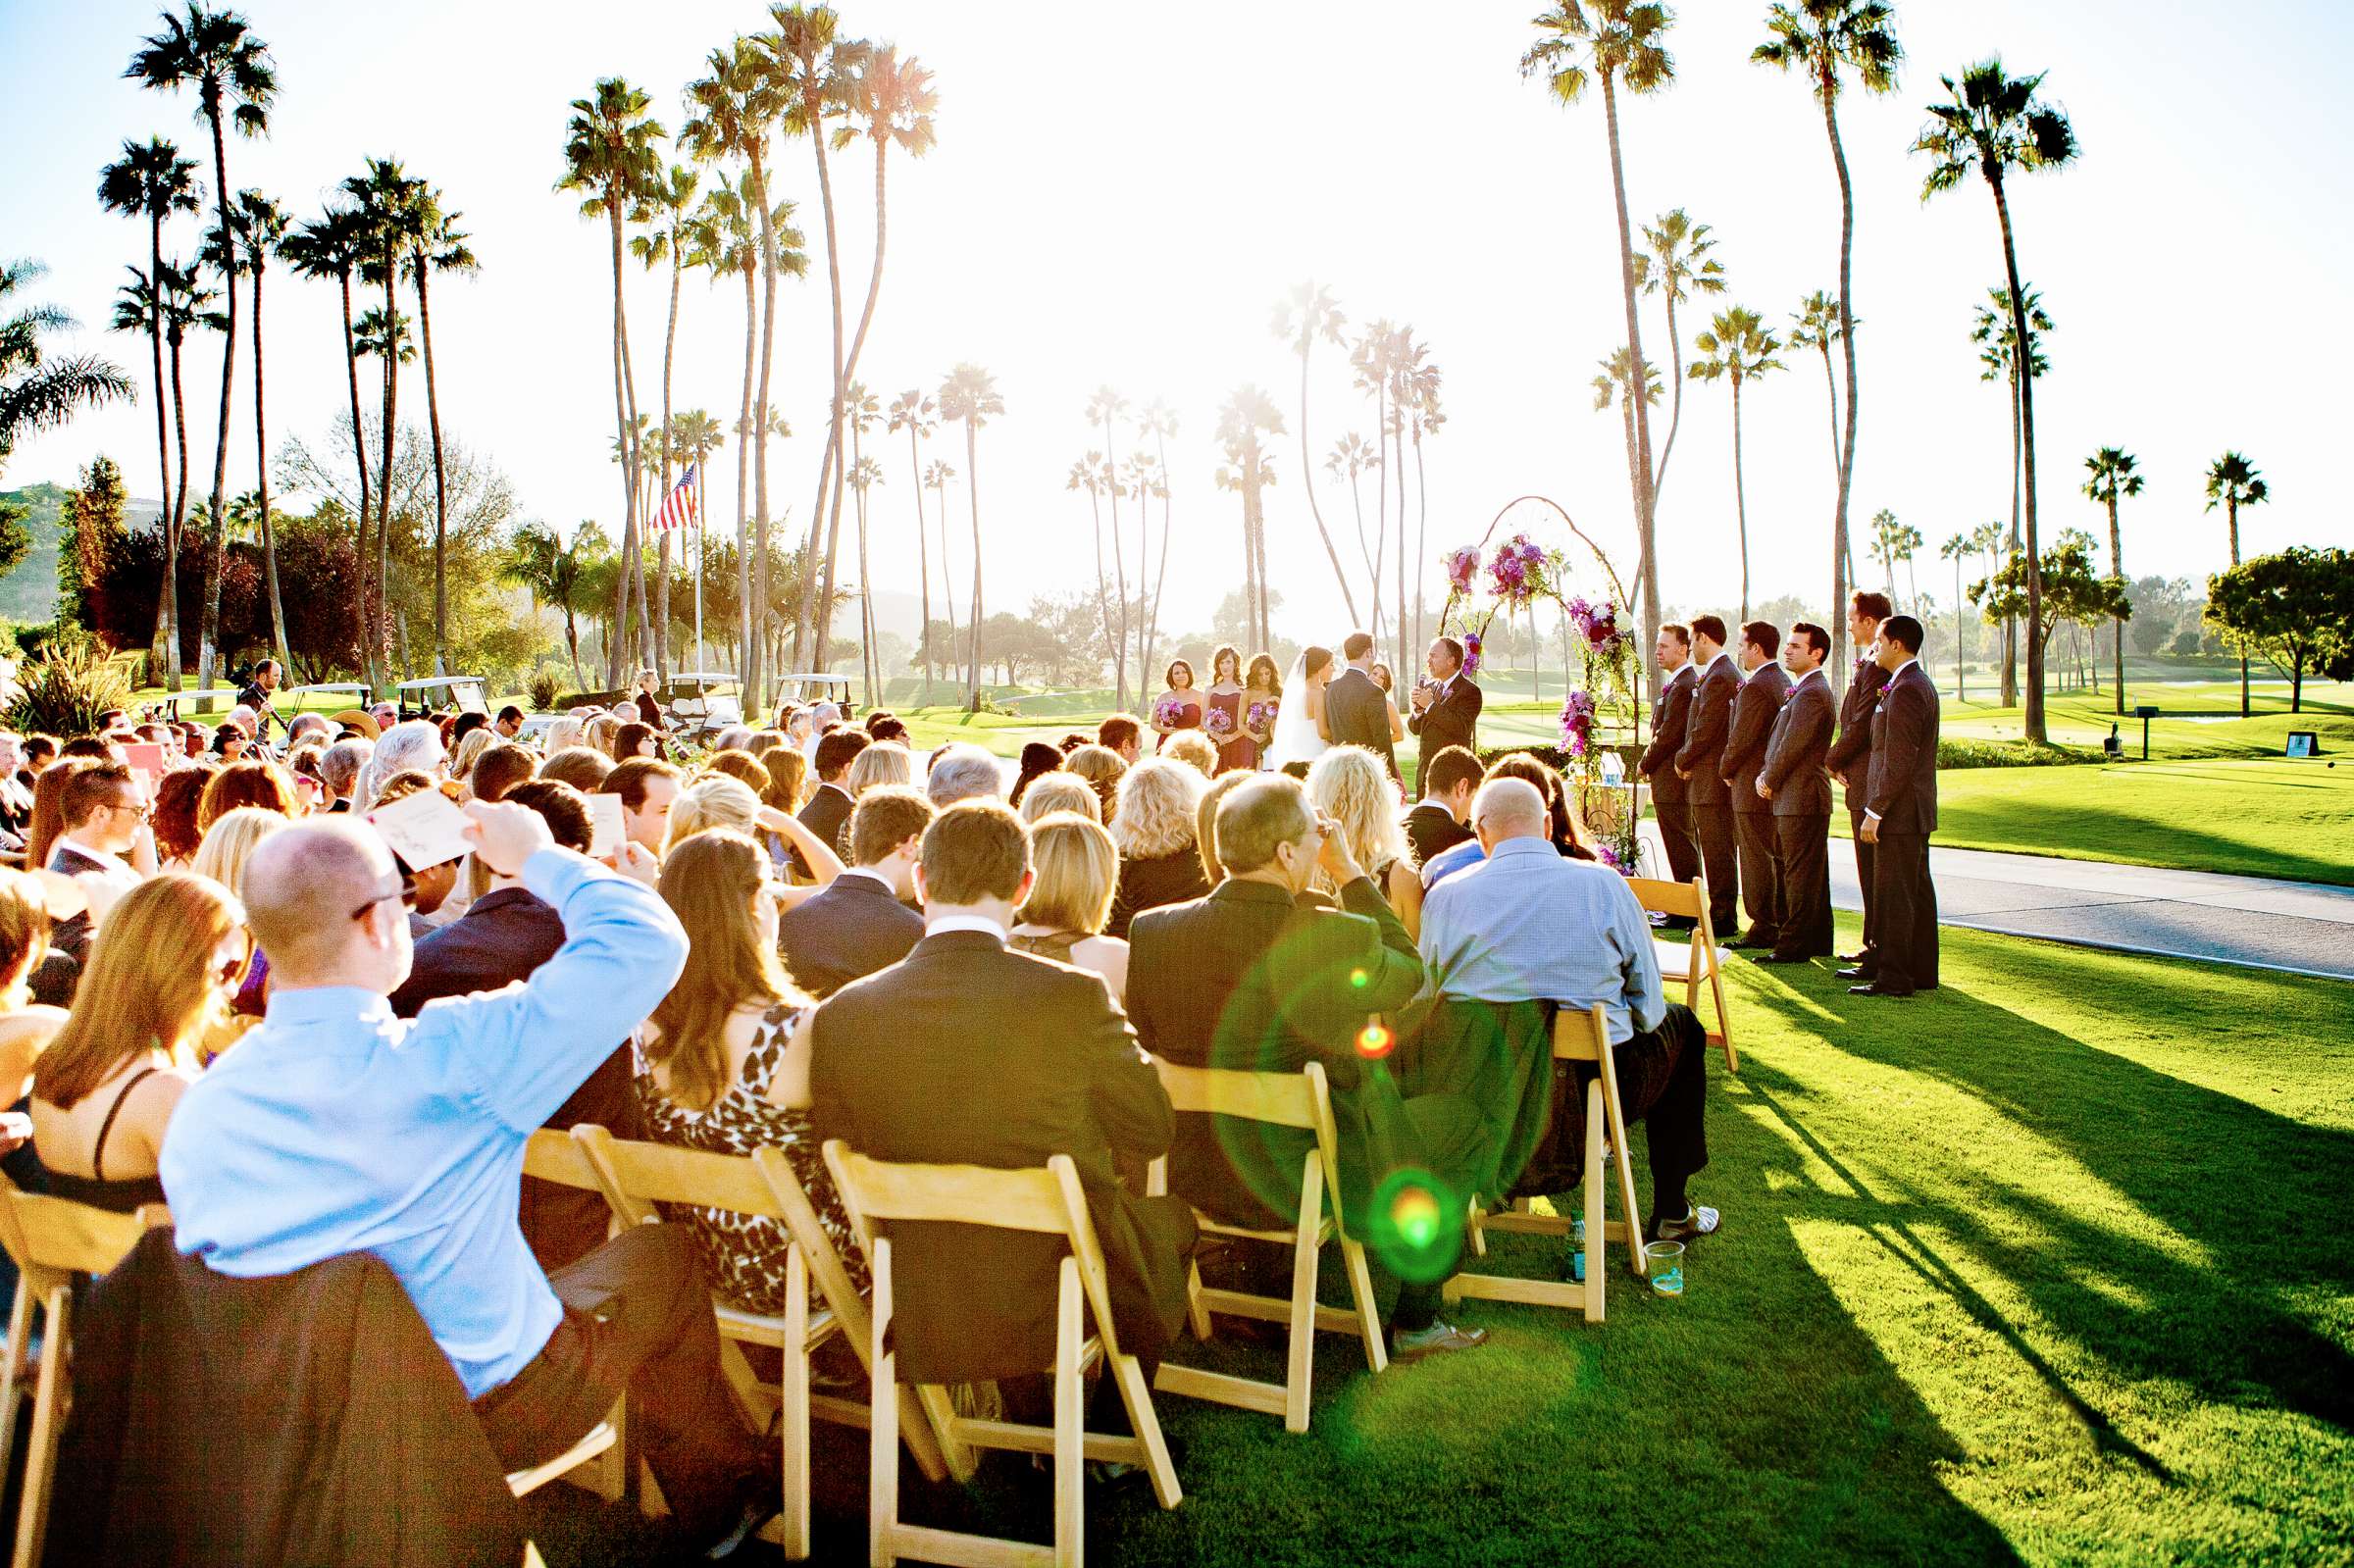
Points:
x=1669 y=722
x=1756 y=706
x=1794 y=782
x=1447 y=705
x=1900 y=814
x=1850 y=754
x=1700 y=763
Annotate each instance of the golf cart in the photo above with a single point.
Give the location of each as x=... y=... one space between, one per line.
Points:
x=702 y=702
x=416 y=699
x=191 y=707
x=811 y=689
x=347 y=694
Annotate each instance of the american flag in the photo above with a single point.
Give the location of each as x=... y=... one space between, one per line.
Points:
x=679 y=510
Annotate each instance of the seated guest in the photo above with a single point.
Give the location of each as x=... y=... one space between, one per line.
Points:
x=16 y=797
x=245 y=783
x=883 y=763
x=385 y=716
x=787 y=775
x=1195 y=749
x=416 y=743
x=1349 y=785
x=562 y=735
x=1528 y=929
x=1436 y=823
x=1160 y=863
x=40 y=751
x=500 y=769
x=101 y=820
x=1060 y=792
x=26 y=1026
x=860 y=920
x=229 y=740
x=48 y=809
x=1252 y=978
x=229 y=842
x=829 y=804
x=1101 y=768
x=716 y=800
x=1070 y=899
x=1205 y=820
x=1124 y=736
x=764 y=741
x=706 y=1057
x=423 y=894
x=171 y=954
x=505 y=935
x=307 y=728
x=509 y=722
x=963 y=772
x=1018 y=1059
x=340 y=769
x=1565 y=829
x=173 y=819
x=640 y=739
x=464 y=725
x=647 y=790
x=307 y=1141
x=889 y=730
x=597 y=734
x=876 y=719
x=578 y=766
x=741 y=766
x=476 y=741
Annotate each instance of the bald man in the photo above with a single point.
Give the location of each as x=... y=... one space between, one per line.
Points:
x=337 y=1128
x=1506 y=943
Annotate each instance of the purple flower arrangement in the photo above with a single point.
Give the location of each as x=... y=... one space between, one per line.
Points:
x=1598 y=623
x=1517 y=572
x=1261 y=715
x=1470 y=653
x=1577 y=723
x=1462 y=566
x=1218 y=722
x=1169 y=710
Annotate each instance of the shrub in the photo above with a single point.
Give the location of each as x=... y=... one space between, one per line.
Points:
x=2009 y=755
x=545 y=684
x=63 y=690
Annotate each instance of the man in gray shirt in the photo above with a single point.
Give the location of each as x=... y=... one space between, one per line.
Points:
x=1527 y=926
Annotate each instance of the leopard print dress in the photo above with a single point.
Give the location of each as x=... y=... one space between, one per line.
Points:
x=744 y=1254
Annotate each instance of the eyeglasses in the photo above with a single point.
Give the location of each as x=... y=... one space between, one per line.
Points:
x=386 y=896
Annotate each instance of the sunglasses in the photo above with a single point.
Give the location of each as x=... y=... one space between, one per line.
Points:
x=396 y=890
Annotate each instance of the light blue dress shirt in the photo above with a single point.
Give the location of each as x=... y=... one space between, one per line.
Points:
x=1527 y=924
x=335 y=1127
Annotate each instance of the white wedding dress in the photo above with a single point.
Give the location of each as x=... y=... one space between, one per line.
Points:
x=1295 y=739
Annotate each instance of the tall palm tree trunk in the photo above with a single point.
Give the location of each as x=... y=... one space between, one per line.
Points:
x=670 y=343
x=832 y=459
x=1308 y=480
x=1160 y=577
x=2032 y=721
x=1111 y=641
x=2011 y=621
x=614 y=646
x=168 y=524
x=2117 y=626
x=923 y=551
x=972 y=489
x=382 y=632
x=1675 y=409
x=948 y=581
x=756 y=607
x=229 y=369
x=849 y=373
x=176 y=527
x=1397 y=443
x=2231 y=515
x=1119 y=563
x=1648 y=571
x=433 y=424
x=1421 y=547
x=261 y=454
x=1960 y=645
x=1740 y=499
x=359 y=450
x=747 y=436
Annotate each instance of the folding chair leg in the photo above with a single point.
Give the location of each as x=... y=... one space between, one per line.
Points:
x=19 y=1332
x=1368 y=1315
x=1070 y=1432
x=882 y=1435
x=41 y=1448
x=1607 y=1082
x=1595 y=1258
x=1475 y=1226
x=1197 y=1316
x=1302 y=1365
x=1129 y=1375
x=793 y=1413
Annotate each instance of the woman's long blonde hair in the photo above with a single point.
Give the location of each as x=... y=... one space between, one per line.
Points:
x=229 y=842
x=709 y=881
x=1349 y=785
x=1155 y=818
x=1078 y=870
x=147 y=984
x=711 y=802
x=887 y=762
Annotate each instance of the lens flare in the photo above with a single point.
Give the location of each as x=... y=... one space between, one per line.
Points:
x=1417 y=1226
x=1375 y=1042
x=1359 y=978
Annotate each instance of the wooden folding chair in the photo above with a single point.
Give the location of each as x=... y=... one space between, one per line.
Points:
x=54 y=1243
x=1577 y=1036
x=553 y=1156
x=1049 y=1202
x=639 y=1176
x=1302 y=1099
x=1689 y=963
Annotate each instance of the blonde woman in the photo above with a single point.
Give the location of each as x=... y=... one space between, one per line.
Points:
x=229 y=842
x=1153 y=827
x=713 y=1051
x=1077 y=868
x=26 y=1025
x=1050 y=792
x=1101 y=767
x=1195 y=749
x=563 y=733
x=1205 y=823
x=598 y=732
x=719 y=803
x=161 y=970
x=1349 y=785
x=469 y=750
x=885 y=763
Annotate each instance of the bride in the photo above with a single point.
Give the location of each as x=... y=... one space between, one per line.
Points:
x=1301 y=731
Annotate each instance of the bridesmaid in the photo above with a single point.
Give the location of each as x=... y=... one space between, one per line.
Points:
x=1389 y=696
x=1224 y=716
x=1262 y=695
x=1179 y=707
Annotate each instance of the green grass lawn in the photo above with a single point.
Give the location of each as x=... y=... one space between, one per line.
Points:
x=2048 y=1266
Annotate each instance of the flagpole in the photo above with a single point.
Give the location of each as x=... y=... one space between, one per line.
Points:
x=698 y=567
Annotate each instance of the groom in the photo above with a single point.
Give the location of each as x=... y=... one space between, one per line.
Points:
x=1355 y=708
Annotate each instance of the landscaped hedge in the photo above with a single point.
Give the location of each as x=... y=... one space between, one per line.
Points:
x=2009 y=755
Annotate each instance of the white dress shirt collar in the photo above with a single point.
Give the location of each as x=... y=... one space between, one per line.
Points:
x=1721 y=655
x=1901 y=669
x=948 y=922
x=1815 y=674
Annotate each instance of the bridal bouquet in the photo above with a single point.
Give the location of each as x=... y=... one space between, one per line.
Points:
x=1169 y=710
x=1259 y=718
x=1218 y=722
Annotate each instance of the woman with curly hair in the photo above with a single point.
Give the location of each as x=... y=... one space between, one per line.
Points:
x=177 y=800
x=1349 y=785
x=1154 y=829
x=244 y=784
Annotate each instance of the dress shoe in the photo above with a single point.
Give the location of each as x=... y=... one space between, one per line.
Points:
x=1858 y=971
x=1876 y=988
x=1439 y=1338
x=1852 y=958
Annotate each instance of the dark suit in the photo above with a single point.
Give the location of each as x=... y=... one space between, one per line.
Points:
x=1358 y=713
x=71 y=934
x=969 y=1054
x=504 y=936
x=825 y=814
x=1669 y=722
x=1703 y=757
x=1247 y=979
x=1903 y=795
x=1452 y=720
x=845 y=931
x=1802 y=817
x=1851 y=755
x=1432 y=831
x=1754 y=707
x=1150 y=881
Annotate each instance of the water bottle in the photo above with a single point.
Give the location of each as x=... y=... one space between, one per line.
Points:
x=1613 y=769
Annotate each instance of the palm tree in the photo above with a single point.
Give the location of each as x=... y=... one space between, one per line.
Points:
x=1995 y=124
x=1675 y=259
x=2234 y=483
x=1887 y=534
x=911 y=411
x=694 y=434
x=2112 y=471
x=733 y=109
x=330 y=246
x=1090 y=474
x=552 y=572
x=609 y=153
x=1407 y=359
x=1425 y=418
x=153 y=182
x=261 y=228
x=1247 y=415
x=1957 y=549
x=1158 y=420
x=970 y=393
x=176 y=298
x=436 y=245
x=218 y=53
x=1349 y=456
x=812 y=68
x=386 y=200
x=1998 y=352
x=1739 y=348
x=860 y=409
x=1619 y=42
x=1820 y=38
x=1614 y=381
x=1141 y=480
x=38 y=393
x=662 y=207
x=937 y=475
x=1103 y=406
x=1372 y=360
x=1302 y=315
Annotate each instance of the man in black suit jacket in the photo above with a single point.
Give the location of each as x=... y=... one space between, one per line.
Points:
x=1670 y=720
x=1252 y=978
x=1900 y=815
x=1793 y=781
x=1447 y=705
x=1450 y=778
x=1757 y=703
x=502 y=938
x=1700 y=763
x=826 y=811
x=970 y=1053
x=859 y=922
x=1356 y=710
x=1850 y=756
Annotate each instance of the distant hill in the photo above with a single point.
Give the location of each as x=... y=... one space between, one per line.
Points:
x=29 y=594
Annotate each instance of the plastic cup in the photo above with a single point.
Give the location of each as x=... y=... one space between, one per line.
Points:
x=1666 y=1268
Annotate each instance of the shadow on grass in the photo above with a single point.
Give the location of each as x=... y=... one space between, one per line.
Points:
x=2259 y=1195
x=2102 y=830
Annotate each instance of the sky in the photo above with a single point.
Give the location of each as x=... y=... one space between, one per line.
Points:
x=1121 y=192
